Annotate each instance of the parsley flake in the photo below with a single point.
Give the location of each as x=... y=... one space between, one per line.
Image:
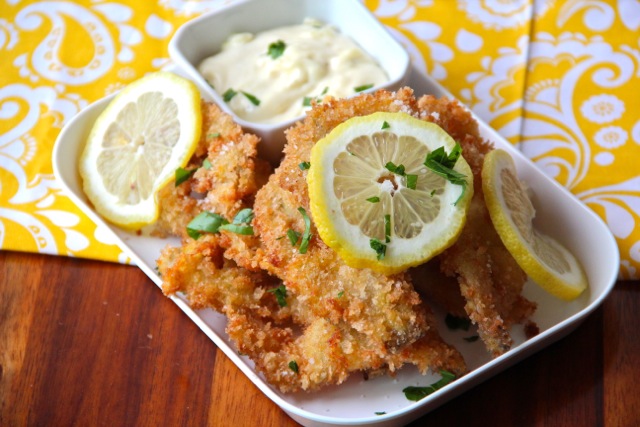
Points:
x=183 y=174
x=340 y=294
x=205 y=222
x=206 y=164
x=472 y=338
x=363 y=87
x=241 y=223
x=281 y=295
x=380 y=413
x=293 y=365
x=387 y=228
x=213 y=135
x=255 y=101
x=442 y=164
x=306 y=235
x=398 y=170
x=374 y=199
x=276 y=49
x=417 y=393
x=293 y=236
x=412 y=181
x=304 y=165
x=228 y=95
x=379 y=247
x=385 y=125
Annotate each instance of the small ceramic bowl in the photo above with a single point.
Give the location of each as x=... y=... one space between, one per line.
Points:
x=204 y=36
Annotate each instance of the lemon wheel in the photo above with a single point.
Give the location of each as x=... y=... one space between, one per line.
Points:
x=373 y=199
x=147 y=131
x=544 y=259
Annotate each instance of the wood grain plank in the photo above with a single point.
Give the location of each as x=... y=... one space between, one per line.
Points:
x=89 y=343
x=235 y=401
x=558 y=386
x=622 y=356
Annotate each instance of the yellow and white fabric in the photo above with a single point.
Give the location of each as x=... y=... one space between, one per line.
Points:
x=559 y=79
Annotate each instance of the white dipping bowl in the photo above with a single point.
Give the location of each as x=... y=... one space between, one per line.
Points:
x=204 y=36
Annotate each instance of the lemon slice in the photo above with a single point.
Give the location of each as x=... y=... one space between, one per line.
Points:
x=150 y=129
x=545 y=260
x=375 y=202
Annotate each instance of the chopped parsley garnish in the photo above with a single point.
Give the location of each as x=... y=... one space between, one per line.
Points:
x=276 y=49
x=229 y=94
x=206 y=164
x=304 y=165
x=306 y=101
x=213 y=135
x=398 y=170
x=293 y=365
x=418 y=393
x=454 y=322
x=293 y=236
x=241 y=223
x=281 y=295
x=205 y=222
x=340 y=294
x=412 y=181
x=306 y=235
x=442 y=164
x=380 y=413
x=363 y=87
x=385 y=125
x=472 y=338
x=374 y=199
x=387 y=228
x=379 y=247
x=183 y=174
x=255 y=101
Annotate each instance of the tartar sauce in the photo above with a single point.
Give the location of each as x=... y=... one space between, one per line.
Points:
x=271 y=77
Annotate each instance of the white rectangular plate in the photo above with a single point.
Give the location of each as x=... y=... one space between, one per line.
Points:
x=558 y=214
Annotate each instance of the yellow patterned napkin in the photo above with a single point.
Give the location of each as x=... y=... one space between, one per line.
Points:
x=560 y=79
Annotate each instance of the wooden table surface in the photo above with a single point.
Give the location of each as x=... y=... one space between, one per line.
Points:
x=89 y=343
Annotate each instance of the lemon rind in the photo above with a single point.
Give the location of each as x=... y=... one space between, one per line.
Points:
x=564 y=286
x=187 y=98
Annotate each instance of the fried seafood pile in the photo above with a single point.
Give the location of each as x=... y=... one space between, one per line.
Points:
x=304 y=317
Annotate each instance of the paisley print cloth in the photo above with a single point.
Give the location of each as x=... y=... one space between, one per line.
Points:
x=558 y=79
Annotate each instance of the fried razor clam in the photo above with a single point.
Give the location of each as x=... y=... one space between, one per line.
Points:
x=226 y=175
x=381 y=316
x=490 y=280
x=290 y=356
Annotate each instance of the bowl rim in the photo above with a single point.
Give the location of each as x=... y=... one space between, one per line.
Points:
x=267 y=129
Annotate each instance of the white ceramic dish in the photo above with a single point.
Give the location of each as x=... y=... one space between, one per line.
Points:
x=203 y=37
x=356 y=402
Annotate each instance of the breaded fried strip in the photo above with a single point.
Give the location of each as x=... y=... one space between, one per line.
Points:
x=373 y=321
x=490 y=280
x=226 y=185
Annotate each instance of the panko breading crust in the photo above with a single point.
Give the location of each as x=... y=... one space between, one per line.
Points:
x=227 y=186
x=337 y=320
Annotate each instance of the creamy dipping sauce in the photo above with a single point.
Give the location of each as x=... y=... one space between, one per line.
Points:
x=271 y=77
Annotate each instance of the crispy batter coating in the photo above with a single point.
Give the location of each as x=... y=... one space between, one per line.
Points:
x=368 y=321
x=226 y=186
x=333 y=320
x=490 y=280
